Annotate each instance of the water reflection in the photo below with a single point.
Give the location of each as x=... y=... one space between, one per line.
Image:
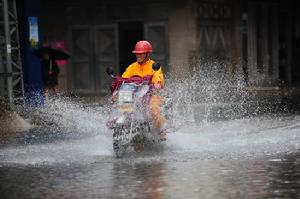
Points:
x=143 y=177
x=285 y=177
x=139 y=180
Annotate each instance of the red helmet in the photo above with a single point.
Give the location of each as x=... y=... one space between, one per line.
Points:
x=142 y=47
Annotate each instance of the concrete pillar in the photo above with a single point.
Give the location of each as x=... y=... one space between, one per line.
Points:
x=182 y=35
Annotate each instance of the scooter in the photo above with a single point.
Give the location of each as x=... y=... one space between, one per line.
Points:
x=129 y=117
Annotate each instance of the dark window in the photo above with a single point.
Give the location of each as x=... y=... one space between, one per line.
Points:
x=270 y=42
x=282 y=37
x=259 y=39
x=129 y=34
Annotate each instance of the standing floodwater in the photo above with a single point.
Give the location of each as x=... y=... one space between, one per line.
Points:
x=71 y=155
x=244 y=158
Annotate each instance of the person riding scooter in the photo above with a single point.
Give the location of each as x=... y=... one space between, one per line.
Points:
x=143 y=67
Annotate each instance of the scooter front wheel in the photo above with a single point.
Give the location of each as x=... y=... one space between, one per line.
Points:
x=119 y=150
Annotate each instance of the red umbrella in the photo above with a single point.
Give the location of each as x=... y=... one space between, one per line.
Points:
x=60 y=45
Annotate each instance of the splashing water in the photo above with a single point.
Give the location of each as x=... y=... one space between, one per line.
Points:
x=201 y=102
x=76 y=116
x=217 y=115
x=212 y=92
x=200 y=92
x=66 y=131
x=246 y=137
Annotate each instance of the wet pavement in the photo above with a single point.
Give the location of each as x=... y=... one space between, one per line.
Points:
x=150 y=177
x=245 y=158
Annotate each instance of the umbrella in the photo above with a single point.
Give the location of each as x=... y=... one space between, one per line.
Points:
x=54 y=53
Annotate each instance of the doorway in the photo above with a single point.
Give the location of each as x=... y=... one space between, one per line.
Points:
x=129 y=34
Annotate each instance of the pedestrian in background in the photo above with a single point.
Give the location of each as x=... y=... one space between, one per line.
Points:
x=50 y=72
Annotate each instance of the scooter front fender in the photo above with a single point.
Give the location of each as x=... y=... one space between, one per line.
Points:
x=121 y=120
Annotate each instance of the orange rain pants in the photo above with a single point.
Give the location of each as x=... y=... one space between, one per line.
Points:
x=155 y=105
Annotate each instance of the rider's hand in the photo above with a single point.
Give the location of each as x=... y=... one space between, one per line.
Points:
x=157 y=86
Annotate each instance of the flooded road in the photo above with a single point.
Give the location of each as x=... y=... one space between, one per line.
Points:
x=255 y=157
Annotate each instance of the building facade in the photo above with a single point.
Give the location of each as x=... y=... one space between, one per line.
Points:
x=259 y=39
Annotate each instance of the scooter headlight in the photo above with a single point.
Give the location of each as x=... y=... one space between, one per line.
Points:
x=125 y=97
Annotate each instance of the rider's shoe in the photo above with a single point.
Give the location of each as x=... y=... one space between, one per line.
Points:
x=162 y=136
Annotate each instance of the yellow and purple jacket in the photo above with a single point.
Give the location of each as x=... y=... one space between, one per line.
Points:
x=143 y=70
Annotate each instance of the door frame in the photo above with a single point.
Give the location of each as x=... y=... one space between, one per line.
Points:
x=166 y=44
x=70 y=70
x=100 y=71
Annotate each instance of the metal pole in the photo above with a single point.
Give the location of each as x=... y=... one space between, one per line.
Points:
x=18 y=53
x=8 y=51
x=245 y=41
x=11 y=72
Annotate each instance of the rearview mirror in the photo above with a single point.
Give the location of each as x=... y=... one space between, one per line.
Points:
x=156 y=66
x=109 y=71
